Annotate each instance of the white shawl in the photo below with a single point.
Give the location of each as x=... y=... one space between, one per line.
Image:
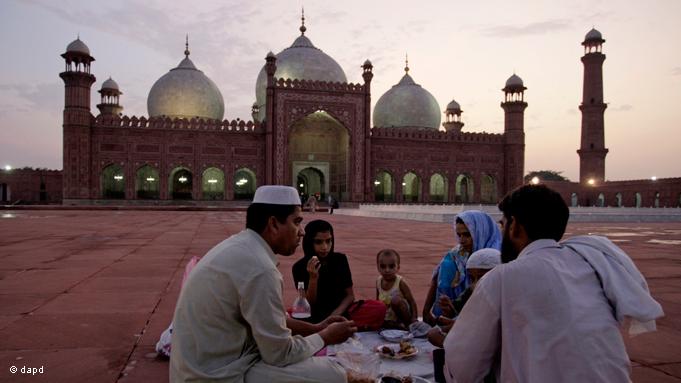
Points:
x=623 y=284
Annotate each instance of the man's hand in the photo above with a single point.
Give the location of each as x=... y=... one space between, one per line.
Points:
x=338 y=332
x=331 y=319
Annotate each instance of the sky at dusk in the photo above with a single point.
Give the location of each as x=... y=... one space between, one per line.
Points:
x=460 y=50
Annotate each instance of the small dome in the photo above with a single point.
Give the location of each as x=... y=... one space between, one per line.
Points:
x=407 y=104
x=593 y=35
x=514 y=82
x=453 y=107
x=302 y=61
x=185 y=92
x=78 y=46
x=110 y=84
x=367 y=63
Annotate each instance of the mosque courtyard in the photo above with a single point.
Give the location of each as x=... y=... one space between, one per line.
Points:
x=84 y=295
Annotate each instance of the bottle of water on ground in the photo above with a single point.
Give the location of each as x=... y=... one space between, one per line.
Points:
x=301 y=307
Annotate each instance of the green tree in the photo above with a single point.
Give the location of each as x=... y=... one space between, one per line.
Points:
x=545 y=175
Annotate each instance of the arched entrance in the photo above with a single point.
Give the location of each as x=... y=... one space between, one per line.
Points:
x=438 y=188
x=574 y=200
x=601 y=200
x=618 y=198
x=657 y=199
x=213 y=184
x=318 y=155
x=180 y=185
x=113 y=182
x=411 y=188
x=488 y=189
x=637 y=199
x=464 y=189
x=383 y=187
x=147 y=183
x=244 y=184
x=310 y=181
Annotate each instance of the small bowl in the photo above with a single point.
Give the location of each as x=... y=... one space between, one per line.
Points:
x=395 y=335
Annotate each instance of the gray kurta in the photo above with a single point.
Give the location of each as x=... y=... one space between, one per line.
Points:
x=230 y=321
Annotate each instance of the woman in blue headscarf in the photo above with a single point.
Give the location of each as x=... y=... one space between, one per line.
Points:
x=476 y=230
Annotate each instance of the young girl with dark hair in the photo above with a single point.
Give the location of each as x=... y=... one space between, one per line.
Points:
x=325 y=273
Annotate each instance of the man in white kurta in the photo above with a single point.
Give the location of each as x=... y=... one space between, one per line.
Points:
x=230 y=322
x=544 y=318
x=551 y=313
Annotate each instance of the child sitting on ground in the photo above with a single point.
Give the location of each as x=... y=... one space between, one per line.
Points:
x=392 y=290
x=479 y=263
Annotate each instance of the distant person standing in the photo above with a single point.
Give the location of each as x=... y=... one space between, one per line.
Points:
x=230 y=324
x=550 y=313
x=333 y=203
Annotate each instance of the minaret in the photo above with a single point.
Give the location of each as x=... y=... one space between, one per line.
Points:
x=110 y=98
x=77 y=118
x=367 y=75
x=514 y=132
x=592 y=150
x=453 y=121
x=270 y=133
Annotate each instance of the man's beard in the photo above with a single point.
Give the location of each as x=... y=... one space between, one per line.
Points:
x=508 y=252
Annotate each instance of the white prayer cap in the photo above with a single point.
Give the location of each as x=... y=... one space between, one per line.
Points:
x=484 y=259
x=277 y=195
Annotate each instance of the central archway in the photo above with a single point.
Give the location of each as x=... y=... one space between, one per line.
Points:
x=318 y=156
x=310 y=181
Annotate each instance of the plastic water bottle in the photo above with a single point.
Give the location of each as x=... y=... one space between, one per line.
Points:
x=301 y=307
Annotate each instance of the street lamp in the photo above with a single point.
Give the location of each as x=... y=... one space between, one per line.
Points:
x=591 y=181
x=8 y=167
x=653 y=178
x=535 y=180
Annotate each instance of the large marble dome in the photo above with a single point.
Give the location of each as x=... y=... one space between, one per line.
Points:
x=185 y=92
x=302 y=61
x=407 y=104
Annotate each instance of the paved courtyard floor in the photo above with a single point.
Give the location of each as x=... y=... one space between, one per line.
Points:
x=84 y=295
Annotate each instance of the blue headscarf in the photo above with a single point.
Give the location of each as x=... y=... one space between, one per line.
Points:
x=452 y=277
x=483 y=229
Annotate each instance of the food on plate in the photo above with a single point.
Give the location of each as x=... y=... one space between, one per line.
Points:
x=387 y=351
x=406 y=348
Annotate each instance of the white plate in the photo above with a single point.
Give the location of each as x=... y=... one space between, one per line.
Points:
x=396 y=349
x=394 y=335
x=414 y=379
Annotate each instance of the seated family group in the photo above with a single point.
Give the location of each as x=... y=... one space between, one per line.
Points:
x=231 y=323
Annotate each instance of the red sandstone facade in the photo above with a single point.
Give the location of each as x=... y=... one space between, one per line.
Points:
x=104 y=156
x=493 y=162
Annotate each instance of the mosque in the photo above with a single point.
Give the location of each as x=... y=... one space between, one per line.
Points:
x=311 y=129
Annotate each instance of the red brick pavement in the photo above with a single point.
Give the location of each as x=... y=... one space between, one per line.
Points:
x=85 y=294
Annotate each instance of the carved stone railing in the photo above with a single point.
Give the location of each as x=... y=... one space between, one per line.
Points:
x=429 y=134
x=200 y=124
x=318 y=85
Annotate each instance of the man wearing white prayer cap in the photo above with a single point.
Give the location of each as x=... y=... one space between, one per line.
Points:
x=230 y=323
x=551 y=312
